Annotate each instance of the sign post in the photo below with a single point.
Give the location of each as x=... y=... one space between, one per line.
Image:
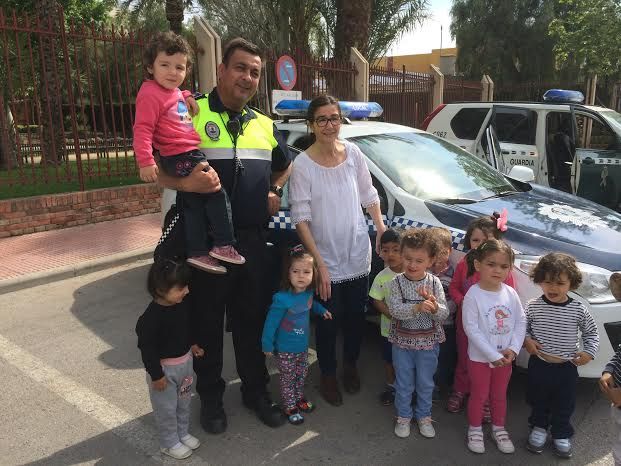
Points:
x=286 y=72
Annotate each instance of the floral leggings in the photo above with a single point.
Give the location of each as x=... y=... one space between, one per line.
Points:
x=293 y=368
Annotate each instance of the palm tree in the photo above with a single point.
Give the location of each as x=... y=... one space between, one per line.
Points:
x=352 y=27
x=175 y=10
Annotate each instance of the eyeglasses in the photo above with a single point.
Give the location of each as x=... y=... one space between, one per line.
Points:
x=322 y=122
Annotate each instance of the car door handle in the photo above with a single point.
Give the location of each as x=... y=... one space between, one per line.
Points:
x=505 y=152
x=588 y=161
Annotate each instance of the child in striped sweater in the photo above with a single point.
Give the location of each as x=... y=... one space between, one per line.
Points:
x=610 y=384
x=554 y=321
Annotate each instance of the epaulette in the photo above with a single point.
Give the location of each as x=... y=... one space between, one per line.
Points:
x=199 y=95
x=255 y=109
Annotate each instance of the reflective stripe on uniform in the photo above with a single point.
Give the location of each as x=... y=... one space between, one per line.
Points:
x=242 y=153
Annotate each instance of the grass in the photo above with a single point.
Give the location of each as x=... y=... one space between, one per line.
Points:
x=37 y=180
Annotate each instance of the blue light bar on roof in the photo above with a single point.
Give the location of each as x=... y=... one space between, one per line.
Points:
x=353 y=110
x=562 y=95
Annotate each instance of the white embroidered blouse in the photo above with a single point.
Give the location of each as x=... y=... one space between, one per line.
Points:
x=330 y=200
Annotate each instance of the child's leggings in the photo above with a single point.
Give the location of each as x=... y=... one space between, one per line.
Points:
x=461 y=381
x=488 y=383
x=293 y=368
x=172 y=406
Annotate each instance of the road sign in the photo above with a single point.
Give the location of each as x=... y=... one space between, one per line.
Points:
x=278 y=95
x=286 y=72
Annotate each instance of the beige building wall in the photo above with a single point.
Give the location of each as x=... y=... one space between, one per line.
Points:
x=421 y=62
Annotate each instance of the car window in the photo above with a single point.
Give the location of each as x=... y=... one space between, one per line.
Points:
x=515 y=125
x=594 y=134
x=431 y=168
x=381 y=192
x=284 y=200
x=467 y=122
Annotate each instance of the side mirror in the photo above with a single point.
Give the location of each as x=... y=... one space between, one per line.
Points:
x=522 y=173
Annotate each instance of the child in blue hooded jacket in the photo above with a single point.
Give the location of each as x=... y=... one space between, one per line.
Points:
x=286 y=330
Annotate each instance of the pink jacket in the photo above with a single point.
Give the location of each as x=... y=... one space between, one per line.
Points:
x=163 y=122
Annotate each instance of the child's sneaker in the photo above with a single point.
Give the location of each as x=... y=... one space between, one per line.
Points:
x=178 y=452
x=487 y=413
x=537 y=440
x=227 y=254
x=402 y=427
x=207 y=263
x=387 y=397
x=455 y=402
x=426 y=428
x=294 y=416
x=475 y=441
x=190 y=441
x=305 y=406
x=562 y=447
x=503 y=442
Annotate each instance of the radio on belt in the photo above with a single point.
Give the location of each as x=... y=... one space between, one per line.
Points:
x=353 y=110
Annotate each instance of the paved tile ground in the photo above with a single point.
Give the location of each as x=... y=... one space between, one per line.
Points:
x=39 y=252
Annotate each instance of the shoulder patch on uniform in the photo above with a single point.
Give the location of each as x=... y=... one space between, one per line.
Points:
x=212 y=130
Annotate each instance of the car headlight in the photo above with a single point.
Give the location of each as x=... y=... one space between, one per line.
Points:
x=595 y=286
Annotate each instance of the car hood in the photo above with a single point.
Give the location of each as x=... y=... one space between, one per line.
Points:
x=545 y=220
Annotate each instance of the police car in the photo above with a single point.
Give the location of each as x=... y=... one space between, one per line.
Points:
x=567 y=145
x=423 y=181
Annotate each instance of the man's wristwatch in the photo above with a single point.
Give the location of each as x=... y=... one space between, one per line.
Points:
x=276 y=190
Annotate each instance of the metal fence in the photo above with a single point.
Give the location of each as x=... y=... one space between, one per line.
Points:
x=457 y=89
x=315 y=76
x=68 y=100
x=406 y=97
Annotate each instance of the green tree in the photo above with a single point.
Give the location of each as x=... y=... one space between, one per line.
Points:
x=587 y=36
x=175 y=10
x=507 y=40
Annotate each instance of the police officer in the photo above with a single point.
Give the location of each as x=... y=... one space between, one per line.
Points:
x=253 y=163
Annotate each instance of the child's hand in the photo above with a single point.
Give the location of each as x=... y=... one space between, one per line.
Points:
x=428 y=306
x=327 y=315
x=509 y=356
x=197 y=351
x=606 y=381
x=499 y=363
x=582 y=358
x=193 y=108
x=149 y=174
x=532 y=346
x=614 y=395
x=160 y=384
x=268 y=353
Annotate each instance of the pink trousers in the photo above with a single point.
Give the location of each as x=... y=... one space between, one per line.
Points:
x=461 y=381
x=488 y=383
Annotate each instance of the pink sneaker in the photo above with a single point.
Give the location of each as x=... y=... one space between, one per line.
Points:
x=207 y=263
x=227 y=254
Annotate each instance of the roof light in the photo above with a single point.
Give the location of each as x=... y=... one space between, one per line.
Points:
x=353 y=110
x=562 y=95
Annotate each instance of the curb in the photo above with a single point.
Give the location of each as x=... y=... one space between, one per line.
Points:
x=69 y=271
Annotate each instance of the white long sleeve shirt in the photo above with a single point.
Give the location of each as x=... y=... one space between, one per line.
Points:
x=330 y=200
x=493 y=321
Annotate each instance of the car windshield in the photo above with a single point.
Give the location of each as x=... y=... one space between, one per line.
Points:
x=613 y=118
x=430 y=168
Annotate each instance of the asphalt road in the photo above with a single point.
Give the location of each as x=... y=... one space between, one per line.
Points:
x=74 y=392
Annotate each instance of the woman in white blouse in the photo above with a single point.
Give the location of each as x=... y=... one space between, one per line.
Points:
x=329 y=184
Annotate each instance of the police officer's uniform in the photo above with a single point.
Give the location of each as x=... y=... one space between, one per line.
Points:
x=244 y=163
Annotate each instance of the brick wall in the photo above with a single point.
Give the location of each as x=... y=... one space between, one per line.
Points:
x=40 y=213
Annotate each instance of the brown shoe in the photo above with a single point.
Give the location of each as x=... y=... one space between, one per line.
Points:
x=329 y=390
x=351 y=380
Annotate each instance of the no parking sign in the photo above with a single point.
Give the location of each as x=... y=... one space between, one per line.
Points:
x=286 y=72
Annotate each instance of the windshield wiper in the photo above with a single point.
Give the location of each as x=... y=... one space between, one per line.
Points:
x=500 y=194
x=455 y=200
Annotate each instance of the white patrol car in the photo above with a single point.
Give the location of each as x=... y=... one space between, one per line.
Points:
x=568 y=146
x=424 y=181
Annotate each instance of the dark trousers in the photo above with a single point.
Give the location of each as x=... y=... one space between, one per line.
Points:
x=207 y=217
x=244 y=294
x=447 y=359
x=551 y=393
x=347 y=305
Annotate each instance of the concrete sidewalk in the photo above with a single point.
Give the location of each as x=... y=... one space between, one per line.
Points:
x=38 y=258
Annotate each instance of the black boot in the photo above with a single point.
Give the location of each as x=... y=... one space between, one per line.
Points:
x=268 y=412
x=213 y=417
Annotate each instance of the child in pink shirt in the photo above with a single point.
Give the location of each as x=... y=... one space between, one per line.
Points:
x=164 y=123
x=479 y=230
